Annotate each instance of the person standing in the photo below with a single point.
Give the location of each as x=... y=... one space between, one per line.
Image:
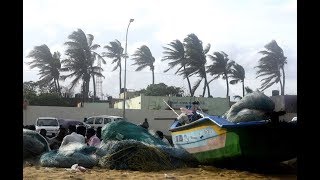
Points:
x=145 y=124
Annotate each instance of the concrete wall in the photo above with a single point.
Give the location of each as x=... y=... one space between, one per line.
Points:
x=133 y=103
x=158 y=120
x=212 y=106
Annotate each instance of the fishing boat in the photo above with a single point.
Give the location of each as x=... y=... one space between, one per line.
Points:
x=213 y=139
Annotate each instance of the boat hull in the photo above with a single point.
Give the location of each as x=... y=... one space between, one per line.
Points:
x=210 y=143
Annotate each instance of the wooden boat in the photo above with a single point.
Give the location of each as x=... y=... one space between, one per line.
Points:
x=213 y=139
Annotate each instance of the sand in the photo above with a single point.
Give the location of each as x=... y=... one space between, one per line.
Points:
x=202 y=172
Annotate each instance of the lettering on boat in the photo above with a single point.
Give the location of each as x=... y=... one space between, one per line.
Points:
x=213 y=143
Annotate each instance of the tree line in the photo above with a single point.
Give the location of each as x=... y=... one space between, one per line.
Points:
x=189 y=57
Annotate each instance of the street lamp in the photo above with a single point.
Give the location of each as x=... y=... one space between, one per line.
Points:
x=125 y=73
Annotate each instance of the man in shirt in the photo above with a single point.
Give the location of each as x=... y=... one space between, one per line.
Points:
x=161 y=136
x=73 y=136
x=92 y=139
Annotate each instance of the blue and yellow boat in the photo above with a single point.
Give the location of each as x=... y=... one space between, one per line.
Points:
x=213 y=139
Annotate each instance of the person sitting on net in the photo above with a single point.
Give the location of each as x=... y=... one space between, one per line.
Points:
x=75 y=136
x=161 y=136
x=92 y=139
x=57 y=140
x=98 y=133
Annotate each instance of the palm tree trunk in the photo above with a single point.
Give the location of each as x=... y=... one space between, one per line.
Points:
x=83 y=91
x=189 y=84
x=94 y=88
x=227 y=84
x=243 y=88
x=152 y=76
x=208 y=89
x=281 y=86
x=59 y=90
x=120 y=78
x=204 y=88
x=86 y=93
x=284 y=77
x=205 y=82
x=55 y=85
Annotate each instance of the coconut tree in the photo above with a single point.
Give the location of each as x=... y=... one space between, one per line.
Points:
x=49 y=65
x=196 y=59
x=79 y=41
x=115 y=52
x=270 y=65
x=176 y=54
x=143 y=58
x=237 y=74
x=221 y=67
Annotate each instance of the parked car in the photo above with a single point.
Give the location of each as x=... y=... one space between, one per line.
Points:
x=100 y=121
x=50 y=124
x=65 y=123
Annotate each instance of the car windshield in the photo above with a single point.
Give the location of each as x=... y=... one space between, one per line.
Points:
x=47 y=122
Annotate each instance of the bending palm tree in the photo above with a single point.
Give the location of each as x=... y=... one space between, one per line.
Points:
x=221 y=67
x=81 y=60
x=115 y=52
x=196 y=59
x=270 y=65
x=176 y=53
x=144 y=58
x=48 y=64
x=79 y=40
x=238 y=74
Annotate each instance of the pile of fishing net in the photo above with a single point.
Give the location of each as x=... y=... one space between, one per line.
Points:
x=124 y=130
x=34 y=144
x=179 y=158
x=70 y=154
x=253 y=107
x=138 y=156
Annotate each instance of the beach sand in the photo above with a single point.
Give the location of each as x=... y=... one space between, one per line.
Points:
x=202 y=172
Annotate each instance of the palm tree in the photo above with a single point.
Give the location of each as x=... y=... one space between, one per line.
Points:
x=238 y=74
x=144 y=58
x=80 y=41
x=221 y=67
x=48 y=64
x=81 y=60
x=270 y=65
x=115 y=52
x=176 y=53
x=196 y=59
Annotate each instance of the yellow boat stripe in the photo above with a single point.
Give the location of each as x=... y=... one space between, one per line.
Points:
x=216 y=128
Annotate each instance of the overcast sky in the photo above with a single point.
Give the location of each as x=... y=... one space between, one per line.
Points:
x=239 y=28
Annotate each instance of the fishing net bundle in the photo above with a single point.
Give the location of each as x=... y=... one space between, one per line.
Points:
x=34 y=144
x=124 y=130
x=179 y=158
x=70 y=154
x=254 y=106
x=134 y=155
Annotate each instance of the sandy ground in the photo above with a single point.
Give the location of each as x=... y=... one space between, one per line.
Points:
x=202 y=172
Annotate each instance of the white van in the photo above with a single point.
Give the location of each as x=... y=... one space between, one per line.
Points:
x=100 y=121
x=50 y=124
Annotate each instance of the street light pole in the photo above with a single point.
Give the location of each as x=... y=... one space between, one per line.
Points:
x=125 y=73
